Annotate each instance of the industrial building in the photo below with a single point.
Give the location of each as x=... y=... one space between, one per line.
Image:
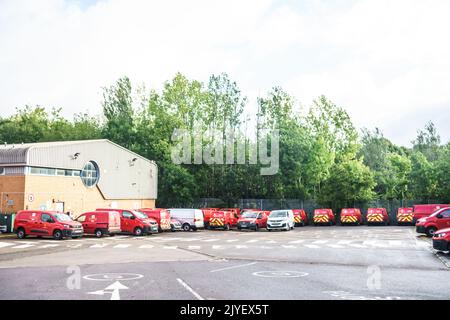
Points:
x=75 y=177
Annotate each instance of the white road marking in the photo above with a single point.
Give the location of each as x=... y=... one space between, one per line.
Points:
x=188 y=288
x=344 y=242
x=252 y=241
x=241 y=247
x=296 y=241
x=146 y=246
x=335 y=246
x=312 y=246
x=289 y=247
x=74 y=245
x=271 y=241
x=6 y=244
x=194 y=247
x=113 y=289
x=355 y=245
x=211 y=240
x=122 y=246
x=50 y=246
x=320 y=242
x=170 y=247
x=232 y=240
x=218 y=247
x=98 y=245
x=395 y=242
x=234 y=267
x=23 y=246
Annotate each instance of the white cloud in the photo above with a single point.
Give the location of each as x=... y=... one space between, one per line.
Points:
x=385 y=61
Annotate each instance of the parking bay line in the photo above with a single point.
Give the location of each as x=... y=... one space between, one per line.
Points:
x=122 y=246
x=6 y=244
x=188 y=288
x=23 y=246
x=234 y=267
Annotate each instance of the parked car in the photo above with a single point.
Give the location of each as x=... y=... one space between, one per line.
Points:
x=207 y=215
x=191 y=219
x=300 y=217
x=441 y=240
x=437 y=221
x=223 y=220
x=175 y=225
x=135 y=222
x=377 y=216
x=46 y=224
x=351 y=216
x=100 y=223
x=280 y=220
x=253 y=220
x=324 y=217
x=162 y=217
x=425 y=210
x=405 y=216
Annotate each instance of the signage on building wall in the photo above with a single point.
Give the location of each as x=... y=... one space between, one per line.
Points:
x=30 y=197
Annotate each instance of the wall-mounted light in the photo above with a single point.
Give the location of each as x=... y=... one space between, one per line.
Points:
x=75 y=156
x=132 y=161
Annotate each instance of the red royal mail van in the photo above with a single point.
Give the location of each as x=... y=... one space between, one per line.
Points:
x=46 y=224
x=135 y=222
x=351 y=216
x=100 y=223
x=438 y=220
x=162 y=217
x=300 y=217
x=425 y=210
x=377 y=216
x=253 y=220
x=207 y=215
x=324 y=216
x=441 y=240
x=223 y=219
x=405 y=216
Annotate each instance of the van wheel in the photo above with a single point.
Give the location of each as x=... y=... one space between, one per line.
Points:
x=98 y=233
x=138 y=232
x=227 y=227
x=186 y=227
x=112 y=234
x=57 y=235
x=21 y=233
x=172 y=228
x=256 y=227
x=430 y=231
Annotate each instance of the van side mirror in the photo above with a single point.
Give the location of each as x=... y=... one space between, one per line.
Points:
x=439 y=216
x=132 y=217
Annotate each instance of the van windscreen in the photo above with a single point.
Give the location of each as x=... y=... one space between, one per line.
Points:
x=62 y=217
x=278 y=214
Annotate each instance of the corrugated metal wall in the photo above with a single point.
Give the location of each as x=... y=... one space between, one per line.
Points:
x=120 y=177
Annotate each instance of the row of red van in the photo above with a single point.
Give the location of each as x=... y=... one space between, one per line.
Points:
x=105 y=221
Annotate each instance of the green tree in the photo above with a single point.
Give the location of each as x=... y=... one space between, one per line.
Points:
x=350 y=181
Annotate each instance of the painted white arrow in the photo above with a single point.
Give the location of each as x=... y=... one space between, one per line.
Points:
x=113 y=289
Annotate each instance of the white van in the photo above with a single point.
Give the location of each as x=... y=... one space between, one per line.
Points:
x=191 y=219
x=281 y=220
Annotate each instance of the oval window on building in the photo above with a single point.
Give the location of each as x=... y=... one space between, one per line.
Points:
x=90 y=174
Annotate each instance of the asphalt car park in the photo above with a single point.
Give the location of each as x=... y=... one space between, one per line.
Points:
x=354 y=262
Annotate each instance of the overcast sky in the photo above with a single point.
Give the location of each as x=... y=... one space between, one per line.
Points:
x=387 y=62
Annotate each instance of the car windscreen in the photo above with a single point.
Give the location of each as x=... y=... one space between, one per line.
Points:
x=278 y=214
x=250 y=215
x=62 y=217
x=140 y=215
